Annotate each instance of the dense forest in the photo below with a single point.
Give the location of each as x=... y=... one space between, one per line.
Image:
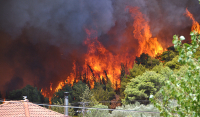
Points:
x=143 y=81
x=103 y=90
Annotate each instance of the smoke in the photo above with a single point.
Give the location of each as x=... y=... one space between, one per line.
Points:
x=39 y=40
x=166 y=17
x=55 y=22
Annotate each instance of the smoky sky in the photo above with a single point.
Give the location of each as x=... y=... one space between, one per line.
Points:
x=39 y=40
x=60 y=21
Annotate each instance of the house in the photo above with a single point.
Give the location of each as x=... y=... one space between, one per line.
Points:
x=24 y=108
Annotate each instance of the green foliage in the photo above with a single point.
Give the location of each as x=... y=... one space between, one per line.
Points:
x=96 y=112
x=168 y=56
x=32 y=93
x=104 y=94
x=136 y=107
x=174 y=64
x=152 y=62
x=142 y=59
x=142 y=86
x=197 y=54
x=78 y=89
x=147 y=61
x=58 y=109
x=61 y=109
x=15 y=95
x=163 y=70
x=135 y=71
x=60 y=94
x=182 y=86
x=101 y=94
x=88 y=98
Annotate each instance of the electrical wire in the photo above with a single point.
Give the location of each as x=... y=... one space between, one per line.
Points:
x=85 y=107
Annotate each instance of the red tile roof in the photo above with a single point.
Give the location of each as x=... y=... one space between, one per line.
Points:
x=25 y=109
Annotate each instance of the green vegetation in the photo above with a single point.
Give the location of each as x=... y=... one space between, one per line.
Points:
x=174 y=64
x=78 y=89
x=142 y=86
x=61 y=109
x=136 y=107
x=171 y=82
x=32 y=93
x=147 y=61
x=88 y=98
x=96 y=112
x=60 y=94
x=103 y=92
x=135 y=71
x=183 y=86
x=167 y=55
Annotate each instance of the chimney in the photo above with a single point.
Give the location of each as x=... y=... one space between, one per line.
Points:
x=26 y=106
x=66 y=103
x=25 y=98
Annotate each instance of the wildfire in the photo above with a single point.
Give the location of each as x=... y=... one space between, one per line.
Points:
x=101 y=63
x=142 y=33
x=50 y=86
x=48 y=93
x=195 y=25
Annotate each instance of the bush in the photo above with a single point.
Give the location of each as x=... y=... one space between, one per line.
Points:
x=142 y=86
x=136 y=107
x=96 y=112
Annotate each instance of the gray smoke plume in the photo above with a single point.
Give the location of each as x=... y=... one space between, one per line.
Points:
x=55 y=22
x=40 y=39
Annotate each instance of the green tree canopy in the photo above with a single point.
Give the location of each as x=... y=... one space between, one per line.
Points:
x=78 y=89
x=32 y=93
x=142 y=86
x=167 y=55
x=163 y=70
x=135 y=71
x=142 y=59
x=174 y=64
x=147 y=61
x=60 y=94
x=88 y=98
x=106 y=94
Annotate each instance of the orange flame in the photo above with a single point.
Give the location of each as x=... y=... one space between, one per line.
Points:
x=195 y=25
x=48 y=93
x=142 y=33
x=100 y=63
x=50 y=86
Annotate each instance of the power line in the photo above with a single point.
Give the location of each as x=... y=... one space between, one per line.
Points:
x=87 y=107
